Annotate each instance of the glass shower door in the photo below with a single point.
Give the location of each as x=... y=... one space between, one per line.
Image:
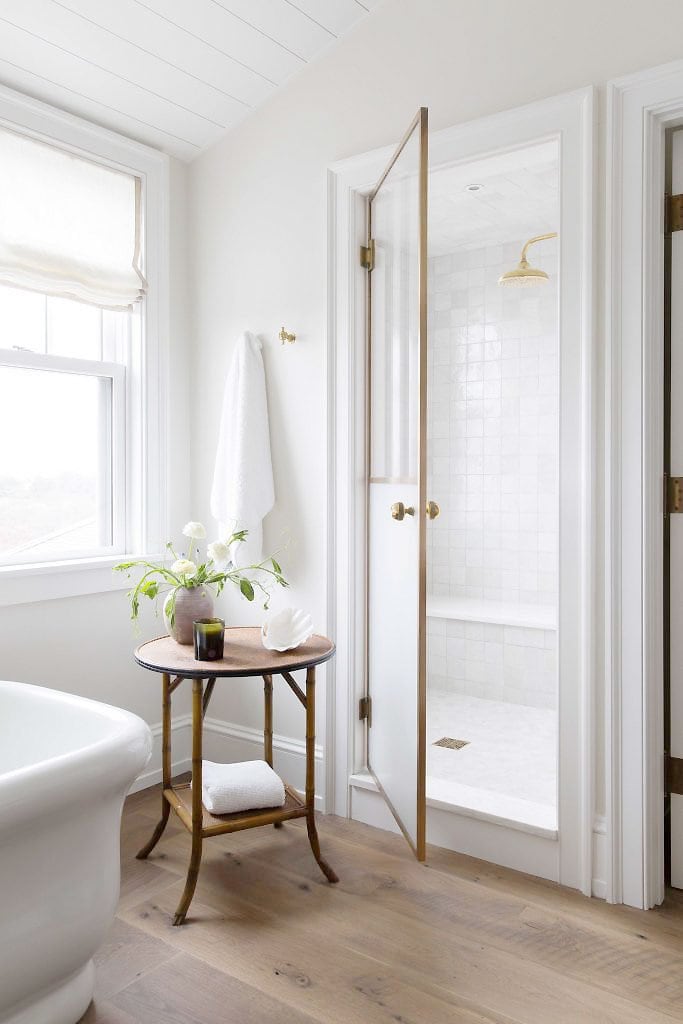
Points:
x=397 y=499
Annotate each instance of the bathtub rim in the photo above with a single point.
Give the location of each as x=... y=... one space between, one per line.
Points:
x=97 y=768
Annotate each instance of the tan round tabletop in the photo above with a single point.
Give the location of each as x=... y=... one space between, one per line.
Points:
x=243 y=655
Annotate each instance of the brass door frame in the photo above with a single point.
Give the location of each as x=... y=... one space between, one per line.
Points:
x=420 y=124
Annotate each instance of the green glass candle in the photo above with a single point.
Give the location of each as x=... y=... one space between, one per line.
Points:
x=209 y=636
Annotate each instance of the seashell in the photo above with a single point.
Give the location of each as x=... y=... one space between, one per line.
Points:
x=286 y=630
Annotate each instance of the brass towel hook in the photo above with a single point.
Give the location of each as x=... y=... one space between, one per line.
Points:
x=284 y=336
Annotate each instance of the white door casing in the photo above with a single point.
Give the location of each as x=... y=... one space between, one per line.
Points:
x=676 y=521
x=640 y=109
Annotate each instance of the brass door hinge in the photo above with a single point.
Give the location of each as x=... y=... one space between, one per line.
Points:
x=673 y=775
x=365 y=710
x=674 y=494
x=673 y=214
x=367 y=255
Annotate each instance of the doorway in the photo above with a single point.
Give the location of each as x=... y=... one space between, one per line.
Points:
x=493 y=467
x=557 y=846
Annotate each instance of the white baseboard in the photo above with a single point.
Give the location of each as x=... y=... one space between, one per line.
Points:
x=180 y=746
x=599 y=881
x=227 y=742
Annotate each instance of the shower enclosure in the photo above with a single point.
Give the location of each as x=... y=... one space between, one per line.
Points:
x=463 y=505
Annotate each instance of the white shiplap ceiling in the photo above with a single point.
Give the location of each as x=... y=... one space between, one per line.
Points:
x=176 y=74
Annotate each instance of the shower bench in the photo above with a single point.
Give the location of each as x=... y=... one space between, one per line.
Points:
x=243 y=655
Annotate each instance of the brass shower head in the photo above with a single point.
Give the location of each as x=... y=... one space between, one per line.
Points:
x=524 y=275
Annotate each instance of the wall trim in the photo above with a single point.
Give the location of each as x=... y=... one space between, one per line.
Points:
x=244 y=732
x=182 y=762
x=216 y=731
x=640 y=108
x=600 y=856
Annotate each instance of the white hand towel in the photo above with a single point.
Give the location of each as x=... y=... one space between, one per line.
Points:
x=247 y=785
x=243 y=492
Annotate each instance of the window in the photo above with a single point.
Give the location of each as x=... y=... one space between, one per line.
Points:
x=63 y=418
x=83 y=306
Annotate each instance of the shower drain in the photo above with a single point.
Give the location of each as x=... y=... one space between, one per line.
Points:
x=448 y=741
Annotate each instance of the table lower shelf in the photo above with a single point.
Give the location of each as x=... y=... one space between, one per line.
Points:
x=180 y=799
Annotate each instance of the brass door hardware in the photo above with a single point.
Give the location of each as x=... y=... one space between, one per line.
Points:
x=674 y=494
x=399 y=511
x=673 y=214
x=285 y=336
x=433 y=510
x=367 y=255
x=365 y=710
x=673 y=774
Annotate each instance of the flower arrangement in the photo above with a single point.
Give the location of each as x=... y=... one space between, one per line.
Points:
x=189 y=571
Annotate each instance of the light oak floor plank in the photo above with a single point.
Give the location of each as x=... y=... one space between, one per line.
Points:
x=455 y=942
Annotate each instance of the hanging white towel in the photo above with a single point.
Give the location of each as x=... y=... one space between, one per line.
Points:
x=247 y=785
x=243 y=492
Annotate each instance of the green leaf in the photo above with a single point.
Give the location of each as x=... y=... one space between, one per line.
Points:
x=150 y=588
x=247 y=589
x=275 y=566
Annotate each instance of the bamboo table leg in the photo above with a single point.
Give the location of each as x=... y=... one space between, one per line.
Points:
x=268 y=720
x=268 y=726
x=197 y=809
x=329 y=874
x=165 y=767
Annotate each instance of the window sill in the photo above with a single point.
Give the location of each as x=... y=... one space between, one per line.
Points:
x=49 y=581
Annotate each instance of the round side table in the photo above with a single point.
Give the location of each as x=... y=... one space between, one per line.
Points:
x=243 y=655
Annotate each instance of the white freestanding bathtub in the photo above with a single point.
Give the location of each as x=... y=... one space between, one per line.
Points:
x=66 y=764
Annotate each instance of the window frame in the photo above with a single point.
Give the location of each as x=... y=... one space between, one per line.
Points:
x=142 y=443
x=24 y=359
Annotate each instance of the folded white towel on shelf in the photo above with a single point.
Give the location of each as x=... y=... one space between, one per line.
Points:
x=242 y=493
x=245 y=786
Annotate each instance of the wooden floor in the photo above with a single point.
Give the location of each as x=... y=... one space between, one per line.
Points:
x=268 y=940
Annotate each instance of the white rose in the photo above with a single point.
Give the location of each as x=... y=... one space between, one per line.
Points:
x=184 y=567
x=219 y=553
x=195 y=530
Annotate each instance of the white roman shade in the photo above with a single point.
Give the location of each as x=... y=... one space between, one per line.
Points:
x=68 y=225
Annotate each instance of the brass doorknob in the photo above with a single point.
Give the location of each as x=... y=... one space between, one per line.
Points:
x=399 y=511
x=433 y=510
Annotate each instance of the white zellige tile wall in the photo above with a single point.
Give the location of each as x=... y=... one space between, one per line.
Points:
x=496 y=662
x=493 y=468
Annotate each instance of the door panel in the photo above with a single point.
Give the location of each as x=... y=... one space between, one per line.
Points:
x=393 y=652
x=397 y=351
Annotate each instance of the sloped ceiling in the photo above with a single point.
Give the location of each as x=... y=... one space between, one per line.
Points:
x=175 y=74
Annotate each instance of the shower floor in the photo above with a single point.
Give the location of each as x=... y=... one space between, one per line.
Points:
x=508 y=770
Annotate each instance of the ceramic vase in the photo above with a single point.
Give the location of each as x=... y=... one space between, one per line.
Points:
x=190 y=603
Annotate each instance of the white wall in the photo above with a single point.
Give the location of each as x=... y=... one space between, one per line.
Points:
x=84 y=644
x=258 y=216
